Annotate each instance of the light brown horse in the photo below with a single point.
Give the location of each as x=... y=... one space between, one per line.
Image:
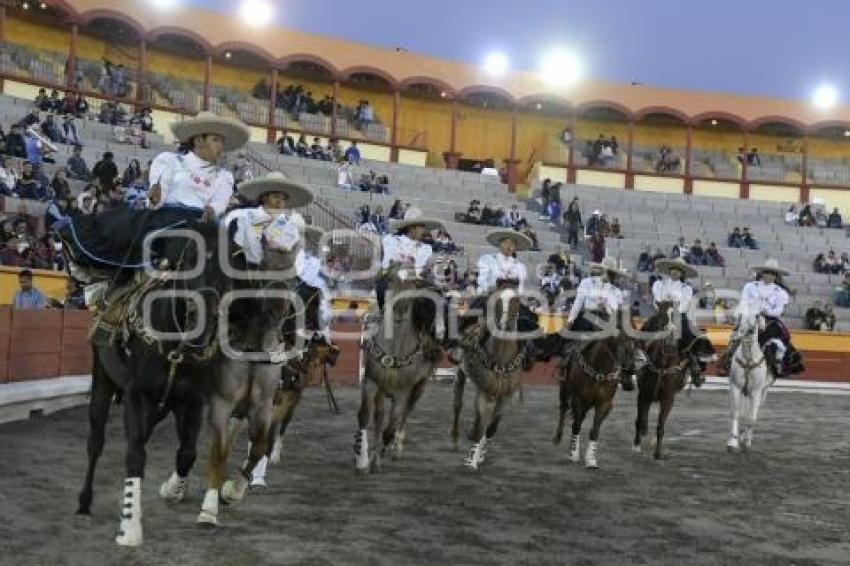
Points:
x=493 y=361
x=297 y=374
x=244 y=386
x=400 y=357
x=589 y=375
x=663 y=376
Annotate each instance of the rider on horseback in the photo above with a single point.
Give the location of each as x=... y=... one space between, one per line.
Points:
x=767 y=296
x=503 y=268
x=404 y=252
x=674 y=288
x=312 y=285
x=599 y=295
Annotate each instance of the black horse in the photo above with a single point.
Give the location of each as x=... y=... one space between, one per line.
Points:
x=157 y=373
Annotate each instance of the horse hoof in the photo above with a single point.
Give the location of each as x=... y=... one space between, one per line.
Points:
x=233 y=490
x=375 y=465
x=83 y=511
x=591 y=465
x=659 y=457
x=636 y=449
x=173 y=489
x=128 y=539
x=258 y=484
x=207 y=519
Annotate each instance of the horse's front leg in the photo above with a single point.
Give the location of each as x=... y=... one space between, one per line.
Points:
x=563 y=407
x=756 y=401
x=219 y=413
x=600 y=412
x=368 y=392
x=266 y=377
x=188 y=418
x=667 y=399
x=485 y=406
x=406 y=409
x=579 y=410
x=644 y=403
x=457 y=404
x=136 y=429
x=734 y=405
x=99 y=403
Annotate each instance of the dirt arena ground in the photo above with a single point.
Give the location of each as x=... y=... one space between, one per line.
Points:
x=787 y=502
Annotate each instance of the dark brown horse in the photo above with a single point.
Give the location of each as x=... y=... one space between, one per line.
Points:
x=589 y=375
x=663 y=376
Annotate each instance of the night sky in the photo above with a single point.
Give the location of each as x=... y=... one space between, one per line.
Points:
x=780 y=48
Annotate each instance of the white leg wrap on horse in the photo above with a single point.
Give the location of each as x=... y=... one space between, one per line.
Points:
x=258 y=476
x=361 y=448
x=209 y=508
x=575 y=448
x=780 y=348
x=174 y=488
x=130 y=528
x=590 y=455
x=475 y=454
x=234 y=490
x=276 y=450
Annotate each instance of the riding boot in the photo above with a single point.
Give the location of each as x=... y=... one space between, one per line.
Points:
x=696 y=371
x=774 y=365
x=725 y=362
x=530 y=355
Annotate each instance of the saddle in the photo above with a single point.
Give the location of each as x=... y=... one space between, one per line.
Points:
x=113 y=306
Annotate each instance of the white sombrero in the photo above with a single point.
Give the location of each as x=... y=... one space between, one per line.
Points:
x=234 y=132
x=608 y=263
x=313 y=233
x=296 y=194
x=523 y=242
x=770 y=265
x=664 y=266
x=414 y=217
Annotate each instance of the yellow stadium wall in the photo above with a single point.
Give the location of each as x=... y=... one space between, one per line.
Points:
x=20 y=90
x=37 y=36
x=381 y=103
x=537 y=133
x=601 y=178
x=170 y=65
x=557 y=174
x=162 y=119
x=651 y=184
x=718 y=141
x=258 y=134
x=771 y=145
x=483 y=133
x=318 y=88
x=374 y=152
x=656 y=136
x=774 y=193
x=242 y=80
x=51 y=283
x=590 y=130
x=716 y=189
x=829 y=149
x=432 y=117
x=412 y=157
x=833 y=198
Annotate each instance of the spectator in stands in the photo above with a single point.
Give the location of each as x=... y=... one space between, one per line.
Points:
x=326 y=106
x=352 y=154
x=30 y=119
x=105 y=171
x=28 y=297
x=697 y=255
x=713 y=257
x=736 y=239
x=15 y=145
x=572 y=219
x=318 y=151
x=36 y=152
x=830 y=318
x=69 y=104
x=679 y=249
x=334 y=150
x=668 y=162
x=56 y=212
x=286 y=144
x=842 y=293
x=753 y=158
x=69 y=132
x=42 y=101
x=443 y=243
x=302 y=148
x=815 y=317
x=379 y=219
x=9 y=255
x=513 y=217
x=75 y=296
x=845 y=262
x=523 y=227
x=29 y=185
x=132 y=174
x=77 y=168
x=262 y=90
x=742 y=155
x=821 y=219
x=644 y=262
x=8 y=176
x=748 y=240
x=807 y=217
x=594 y=225
x=60 y=186
x=596 y=247
x=832 y=264
x=51 y=130
x=344 y=178
x=614 y=229
x=792 y=217
x=7 y=230
x=835 y=220
x=604 y=227
x=819 y=263
x=544 y=198
x=473 y=212
x=559 y=260
x=395 y=211
x=364 y=114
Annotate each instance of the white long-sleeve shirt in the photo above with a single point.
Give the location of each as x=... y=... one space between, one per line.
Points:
x=492 y=267
x=253 y=224
x=409 y=253
x=595 y=295
x=668 y=289
x=309 y=270
x=188 y=180
x=760 y=298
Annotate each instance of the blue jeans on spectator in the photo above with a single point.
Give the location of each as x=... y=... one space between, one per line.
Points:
x=554 y=212
x=842 y=298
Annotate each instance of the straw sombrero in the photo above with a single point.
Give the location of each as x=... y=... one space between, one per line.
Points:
x=770 y=265
x=414 y=217
x=297 y=195
x=234 y=132
x=664 y=266
x=523 y=242
x=608 y=263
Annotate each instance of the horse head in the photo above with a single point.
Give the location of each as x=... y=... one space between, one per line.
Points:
x=402 y=286
x=506 y=303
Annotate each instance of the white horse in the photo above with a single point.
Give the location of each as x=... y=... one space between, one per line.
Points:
x=749 y=380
